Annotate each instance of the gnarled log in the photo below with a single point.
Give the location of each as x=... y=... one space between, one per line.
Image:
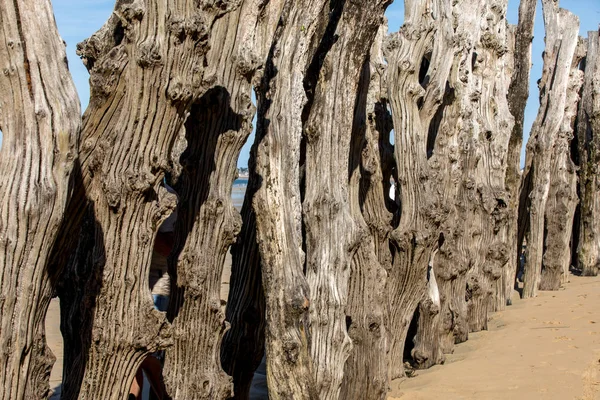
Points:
x=147 y=68
x=420 y=58
x=366 y=370
x=216 y=130
x=561 y=41
x=562 y=195
x=588 y=134
x=40 y=120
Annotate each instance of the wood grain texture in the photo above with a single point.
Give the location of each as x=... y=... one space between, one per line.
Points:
x=518 y=94
x=424 y=42
x=366 y=369
x=562 y=195
x=561 y=41
x=333 y=235
x=40 y=121
x=146 y=70
x=588 y=128
x=217 y=128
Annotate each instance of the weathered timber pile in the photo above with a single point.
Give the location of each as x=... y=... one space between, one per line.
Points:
x=355 y=256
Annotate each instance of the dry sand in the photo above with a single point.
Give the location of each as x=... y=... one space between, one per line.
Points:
x=543 y=348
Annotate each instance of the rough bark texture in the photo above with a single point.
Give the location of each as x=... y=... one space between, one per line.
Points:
x=562 y=195
x=216 y=130
x=490 y=134
x=146 y=68
x=588 y=134
x=40 y=122
x=420 y=58
x=366 y=370
x=448 y=148
x=277 y=203
x=518 y=94
x=332 y=234
x=428 y=349
x=561 y=40
x=243 y=346
x=507 y=233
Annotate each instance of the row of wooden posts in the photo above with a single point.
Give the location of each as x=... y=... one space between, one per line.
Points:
x=328 y=270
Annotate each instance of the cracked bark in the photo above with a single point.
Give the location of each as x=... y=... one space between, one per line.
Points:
x=333 y=236
x=366 y=370
x=40 y=122
x=561 y=41
x=146 y=67
x=588 y=134
x=562 y=194
x=218 y=126
x=414 y=101
x=518 y=93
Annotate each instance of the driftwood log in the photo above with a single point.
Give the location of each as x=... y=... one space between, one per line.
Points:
x=562 y=28
x=40 y=120
x=588 y=139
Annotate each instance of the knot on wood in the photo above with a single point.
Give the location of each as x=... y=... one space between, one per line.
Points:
x=166 y=205
x=246 y=63
x=195 y=28
x=491 y=41
x=178 y=92
x=149 y=54
x=112 y=193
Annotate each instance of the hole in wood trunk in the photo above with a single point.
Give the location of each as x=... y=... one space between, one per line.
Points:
x=158 y=279
x=575 y=235
x=119 y=33
x=423 y=75
x=409 y=343
x=438 y=119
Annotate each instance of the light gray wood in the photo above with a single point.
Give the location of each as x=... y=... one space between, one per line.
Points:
x=562 y=28
x=40 y=120
x=146 y=70
x=333 y=235
x=427 y=29
x=588 y=133
x=562 y=195
x=518 y=94
x=277 y=202
x=217 y=128
x=366 y=370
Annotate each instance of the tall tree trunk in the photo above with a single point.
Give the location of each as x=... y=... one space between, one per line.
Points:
x=562 y=195
x=518 y=94
x=366 y=370
x=561 y=40
x=507 y=235
x=448 y=148
x=216 y=130
x=146 y=69
x=492 y=126
x=40 y=119
x=332 y=234
x=420 y=58
x=588 y=133
x=277 y=202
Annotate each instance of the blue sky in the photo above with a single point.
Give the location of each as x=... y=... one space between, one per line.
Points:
x=78 y=19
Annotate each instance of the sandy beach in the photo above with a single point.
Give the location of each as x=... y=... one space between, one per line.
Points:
x=542 y=348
